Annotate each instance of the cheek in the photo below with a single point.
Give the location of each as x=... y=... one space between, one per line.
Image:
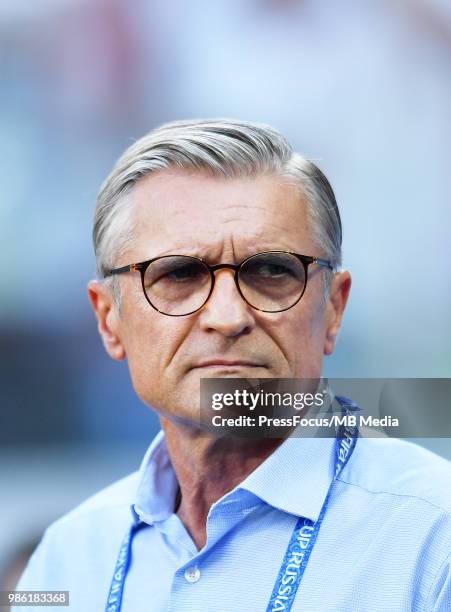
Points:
x=304 y=341
x=152 y=345
x=143 y=364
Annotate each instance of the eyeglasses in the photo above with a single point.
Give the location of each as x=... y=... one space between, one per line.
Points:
x=179 y=285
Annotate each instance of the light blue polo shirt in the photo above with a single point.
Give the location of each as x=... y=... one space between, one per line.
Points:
x=384 y=545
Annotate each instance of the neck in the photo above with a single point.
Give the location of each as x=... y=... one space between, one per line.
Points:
x=207 y=468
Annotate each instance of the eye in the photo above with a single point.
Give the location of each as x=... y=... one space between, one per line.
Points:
x=184 y=273
x=175 y=271
x=271 y=270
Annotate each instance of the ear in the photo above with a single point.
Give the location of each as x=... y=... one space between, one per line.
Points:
x=336 y=302
x=107 y=319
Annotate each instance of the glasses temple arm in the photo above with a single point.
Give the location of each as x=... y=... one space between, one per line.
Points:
x=130 y=268
x=323 y=262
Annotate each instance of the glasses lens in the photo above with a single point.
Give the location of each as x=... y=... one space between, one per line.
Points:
x=272 y=281
x=177 y=284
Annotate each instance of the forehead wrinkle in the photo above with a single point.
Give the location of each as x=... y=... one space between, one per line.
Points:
x=229 y=206
x=186 y=246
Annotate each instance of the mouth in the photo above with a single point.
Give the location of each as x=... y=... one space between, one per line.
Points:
x=222 y=364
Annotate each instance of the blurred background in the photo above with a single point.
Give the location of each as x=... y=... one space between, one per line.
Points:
x=361 y=87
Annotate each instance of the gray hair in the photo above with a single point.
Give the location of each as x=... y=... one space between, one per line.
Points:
x=224 y=148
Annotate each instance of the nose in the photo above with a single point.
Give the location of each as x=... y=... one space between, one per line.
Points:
x=226 y=312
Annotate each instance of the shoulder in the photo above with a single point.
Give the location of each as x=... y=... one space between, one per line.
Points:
x=115 y=496
x=400 y=468
x=106 y=512
x=92 y=530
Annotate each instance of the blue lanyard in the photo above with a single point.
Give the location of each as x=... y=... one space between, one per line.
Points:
x=306 y=531
x=299 y=548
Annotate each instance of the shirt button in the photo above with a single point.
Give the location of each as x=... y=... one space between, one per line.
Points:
x=192 y=574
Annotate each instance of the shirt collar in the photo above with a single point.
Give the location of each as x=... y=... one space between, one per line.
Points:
x=295 y=478
x=157 y=484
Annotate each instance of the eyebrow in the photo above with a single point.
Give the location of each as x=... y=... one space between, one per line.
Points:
x=205 y=253
x=201 y=253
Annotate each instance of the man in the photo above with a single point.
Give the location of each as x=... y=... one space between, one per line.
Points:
x=218 y=252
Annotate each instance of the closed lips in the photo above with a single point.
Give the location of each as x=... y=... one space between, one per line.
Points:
x=221 y=362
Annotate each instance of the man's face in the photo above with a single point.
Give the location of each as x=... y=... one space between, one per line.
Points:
x=221 y=221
